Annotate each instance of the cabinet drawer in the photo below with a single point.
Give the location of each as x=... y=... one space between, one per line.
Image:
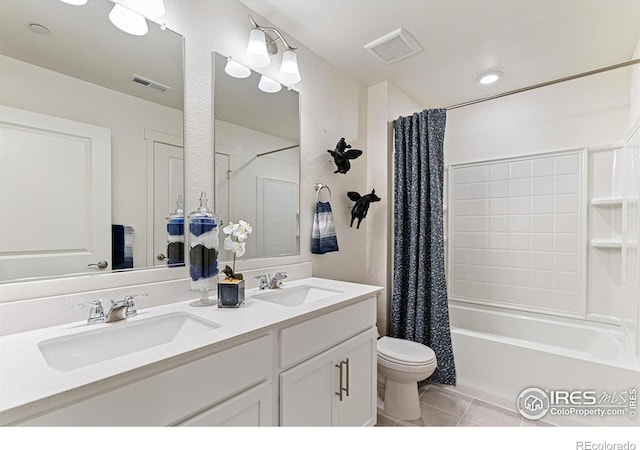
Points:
x=170 y=397
x=309 y=338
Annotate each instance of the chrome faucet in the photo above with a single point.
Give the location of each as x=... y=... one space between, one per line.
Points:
x=118 y=310
x=276 y=281
x=271 y=282
x=264 y=281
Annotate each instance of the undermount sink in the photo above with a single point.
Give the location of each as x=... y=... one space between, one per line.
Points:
x=120 y=338
x=296 y=295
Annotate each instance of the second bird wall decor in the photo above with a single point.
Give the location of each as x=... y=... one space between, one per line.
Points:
x=360 y=209
x=342 y=154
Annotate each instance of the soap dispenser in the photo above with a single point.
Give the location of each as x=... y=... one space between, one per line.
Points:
x=175 y=235
x=203 y=252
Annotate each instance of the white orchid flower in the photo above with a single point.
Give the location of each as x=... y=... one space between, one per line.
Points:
x=229 y=244
x=240 y=248
x=230 y=228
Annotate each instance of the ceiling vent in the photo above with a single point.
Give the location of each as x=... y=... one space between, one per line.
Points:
x=394 y=46
x=149 y=83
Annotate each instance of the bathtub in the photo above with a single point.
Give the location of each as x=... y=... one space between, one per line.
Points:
x=498 y=353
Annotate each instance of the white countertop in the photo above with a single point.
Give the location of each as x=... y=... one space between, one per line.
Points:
x=25 y=376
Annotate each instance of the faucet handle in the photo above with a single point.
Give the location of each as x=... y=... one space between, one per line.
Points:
x=281 y=275
x=96 y=311
x=264 y=281
x=131 y=306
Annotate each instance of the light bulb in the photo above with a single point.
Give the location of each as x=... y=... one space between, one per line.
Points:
x=489 y=77
x=128 y=21
x=236 y=70
x=75 y=2
x=268 y=85
x=289 y=72
x=256 y=54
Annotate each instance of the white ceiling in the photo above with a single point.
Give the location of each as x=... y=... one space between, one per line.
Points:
x=83 y=43
x=531 y=41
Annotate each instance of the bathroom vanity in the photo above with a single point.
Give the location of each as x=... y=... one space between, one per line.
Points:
x=304 y=354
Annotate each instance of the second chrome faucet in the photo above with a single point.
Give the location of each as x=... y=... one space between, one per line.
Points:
x=271 y=282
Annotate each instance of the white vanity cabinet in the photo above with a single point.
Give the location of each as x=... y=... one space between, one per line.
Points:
x=230 y=387
x=336 y=387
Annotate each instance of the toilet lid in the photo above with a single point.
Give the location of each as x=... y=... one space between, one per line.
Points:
x=404 y=351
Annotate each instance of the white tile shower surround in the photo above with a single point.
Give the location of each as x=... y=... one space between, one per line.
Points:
x=442 y=407
x=516 y=231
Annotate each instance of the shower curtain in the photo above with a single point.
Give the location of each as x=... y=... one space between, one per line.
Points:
x=419 y=308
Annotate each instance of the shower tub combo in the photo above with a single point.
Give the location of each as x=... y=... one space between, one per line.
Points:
x=499 y=353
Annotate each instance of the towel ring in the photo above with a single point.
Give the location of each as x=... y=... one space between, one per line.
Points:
x=319 y=187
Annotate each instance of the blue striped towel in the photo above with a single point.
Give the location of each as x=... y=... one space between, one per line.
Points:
x=323 y=235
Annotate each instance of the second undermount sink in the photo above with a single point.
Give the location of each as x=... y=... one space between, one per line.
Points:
x=296 y=295
x=120 y=338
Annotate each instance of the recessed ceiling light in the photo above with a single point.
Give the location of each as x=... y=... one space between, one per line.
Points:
x=489 y=77
x=38 y=29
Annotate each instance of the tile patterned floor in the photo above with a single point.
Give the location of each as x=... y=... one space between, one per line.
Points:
x=442 y=407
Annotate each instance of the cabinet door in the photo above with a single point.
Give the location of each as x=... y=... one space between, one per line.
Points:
x=359 y=377
x=251 y=408
x=307 y=392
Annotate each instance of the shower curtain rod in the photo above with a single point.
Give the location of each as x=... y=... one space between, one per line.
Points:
x=547 y=83
x=277 y=150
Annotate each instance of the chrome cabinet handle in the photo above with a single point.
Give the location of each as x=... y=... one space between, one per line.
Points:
x=348 y=384
x=102 y=264
x=160 y=257
x=342 y=388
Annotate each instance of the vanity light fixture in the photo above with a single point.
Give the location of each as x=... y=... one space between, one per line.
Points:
x=263 y=43
x=268 y=85
x=131 y=15
x=236 y=70
x=489 y=77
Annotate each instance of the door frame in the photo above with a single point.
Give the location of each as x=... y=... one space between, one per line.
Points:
x=150 y=139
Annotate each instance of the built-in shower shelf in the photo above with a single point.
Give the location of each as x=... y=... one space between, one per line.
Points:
x=607 y=202
x=606 y=243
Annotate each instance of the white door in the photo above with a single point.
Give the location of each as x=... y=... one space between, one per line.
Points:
x=55 y=195
x=168 y=182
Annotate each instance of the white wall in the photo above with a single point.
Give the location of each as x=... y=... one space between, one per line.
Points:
x=386 y=103
x=331 y=106
x=588 y=111
x=40 y=90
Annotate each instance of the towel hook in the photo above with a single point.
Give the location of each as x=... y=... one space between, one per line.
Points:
x=319 y=187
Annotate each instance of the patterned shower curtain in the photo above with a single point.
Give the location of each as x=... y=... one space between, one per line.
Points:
x=419 y=308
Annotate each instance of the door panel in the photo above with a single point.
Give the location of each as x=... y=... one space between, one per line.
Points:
x=58 y=213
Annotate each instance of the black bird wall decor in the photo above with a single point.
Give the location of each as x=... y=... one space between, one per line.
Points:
x=359 y=210
x=342 y=157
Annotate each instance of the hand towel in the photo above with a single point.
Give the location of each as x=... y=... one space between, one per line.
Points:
x=323 y=235
x=121 y=247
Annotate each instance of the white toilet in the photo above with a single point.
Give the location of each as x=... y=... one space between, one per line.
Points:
x=401 y=364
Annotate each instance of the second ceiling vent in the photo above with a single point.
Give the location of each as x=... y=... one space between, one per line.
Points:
x=394 y=46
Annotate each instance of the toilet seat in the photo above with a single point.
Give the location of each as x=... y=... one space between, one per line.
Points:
x=403 y=352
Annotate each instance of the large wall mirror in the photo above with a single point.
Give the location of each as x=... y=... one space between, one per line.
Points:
x=91 y=147
x=257 y=162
